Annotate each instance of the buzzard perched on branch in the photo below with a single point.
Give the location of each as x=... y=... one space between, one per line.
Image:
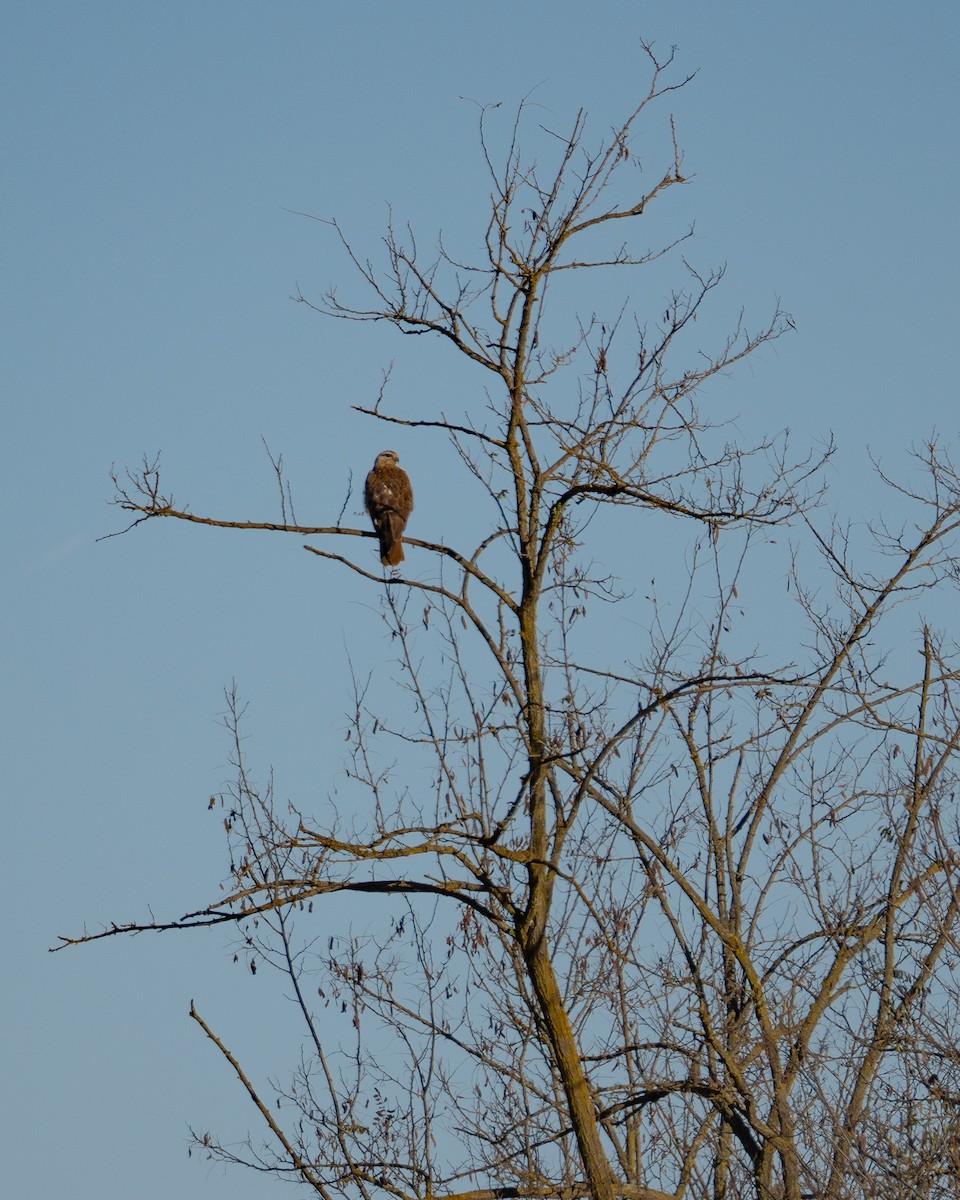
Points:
x=388 y=497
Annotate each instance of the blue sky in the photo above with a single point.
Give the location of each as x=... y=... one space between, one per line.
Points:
x=154 y=157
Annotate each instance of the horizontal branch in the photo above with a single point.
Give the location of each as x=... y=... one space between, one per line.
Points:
x=150 y=509
x=449 y=426
x=217 y=916
x=467 y=565
x=216 y=522
x=544 y=1191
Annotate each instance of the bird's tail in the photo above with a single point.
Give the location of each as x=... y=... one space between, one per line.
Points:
x=391 y=540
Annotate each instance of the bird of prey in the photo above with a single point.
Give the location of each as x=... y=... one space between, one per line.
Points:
x=388 y=498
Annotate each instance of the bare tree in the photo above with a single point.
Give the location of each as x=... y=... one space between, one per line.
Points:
x=668 y=917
